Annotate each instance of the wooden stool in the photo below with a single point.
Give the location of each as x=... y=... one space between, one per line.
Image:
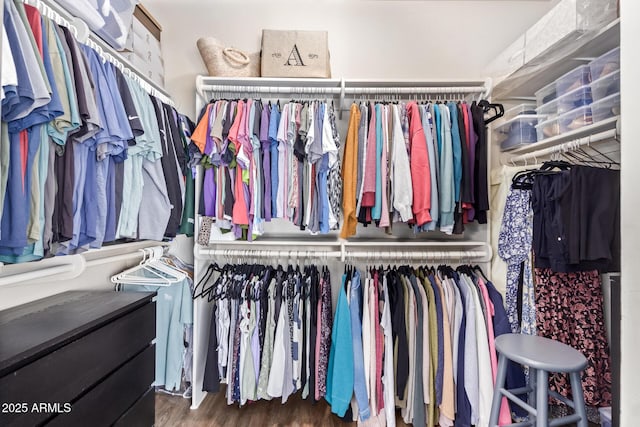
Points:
x=542 y=356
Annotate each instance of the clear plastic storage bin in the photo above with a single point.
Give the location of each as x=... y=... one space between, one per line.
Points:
x=567 y=102
x=518 y=110
x=573 y=80
x=606 y=108
x=516 y=132
x=575 y=99
x=575 y=119
x=605 y=64
x=605 y=416
x=546 y=94
x=548 y=109
x=547 y=129
x=606 y=86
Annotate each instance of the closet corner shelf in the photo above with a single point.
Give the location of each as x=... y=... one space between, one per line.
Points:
x=610 y=124
x=556 y=62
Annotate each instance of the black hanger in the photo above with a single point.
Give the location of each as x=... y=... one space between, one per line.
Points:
x=524 y=180
x=487 y=107
x=477 y=269
x=555 y=164
x=213 y=267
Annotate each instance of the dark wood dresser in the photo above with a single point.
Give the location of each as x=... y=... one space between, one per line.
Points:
x=79 y=359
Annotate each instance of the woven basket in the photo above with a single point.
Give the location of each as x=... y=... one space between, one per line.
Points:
x=227 y=61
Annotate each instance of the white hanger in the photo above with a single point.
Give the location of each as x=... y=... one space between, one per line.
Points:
x=151 y=271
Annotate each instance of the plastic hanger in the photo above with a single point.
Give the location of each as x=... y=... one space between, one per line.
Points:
x=487 y=107
x=555 y=164
x=151 y=271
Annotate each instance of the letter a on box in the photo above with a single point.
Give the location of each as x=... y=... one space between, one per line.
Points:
x=294 y=58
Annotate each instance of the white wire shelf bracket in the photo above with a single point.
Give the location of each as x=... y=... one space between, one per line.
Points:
x=57 y=13
x=606 y=130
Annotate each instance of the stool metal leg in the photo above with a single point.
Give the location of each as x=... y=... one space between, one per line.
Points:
x=532 y=385
x=497 y=395
x=578 y=398
x=542 y=398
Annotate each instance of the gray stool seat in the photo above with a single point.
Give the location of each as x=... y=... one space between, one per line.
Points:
x=542 y=356
x=541 y=353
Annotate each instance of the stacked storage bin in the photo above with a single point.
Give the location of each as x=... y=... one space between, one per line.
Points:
x=605 y=73
x=143 y=46
x=517 y=127
x=566 y=103
x=585 y=95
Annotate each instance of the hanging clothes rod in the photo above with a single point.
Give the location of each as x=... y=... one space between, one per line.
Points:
x=206 y=87
x=71 y=266
x=248 y=254
x=39 y=274
x=275 y=90
x=57 y=13
x=477 y=256
x=459 y=256
x=377 y=251
x=566 y=146
x=313 y=90
x=413 y=90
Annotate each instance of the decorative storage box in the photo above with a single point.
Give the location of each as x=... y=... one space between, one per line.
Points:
x=143 y=47
x=110 y=20
x=295 y=54
x=566 y=22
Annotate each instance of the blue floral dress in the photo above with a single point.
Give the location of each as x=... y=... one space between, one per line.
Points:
x=514 y=247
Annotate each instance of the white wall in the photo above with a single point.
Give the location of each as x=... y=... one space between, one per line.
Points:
x=367 y=39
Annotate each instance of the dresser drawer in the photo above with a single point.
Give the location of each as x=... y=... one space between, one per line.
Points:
x=65 y=374
x=109 y=400
x=142 y=413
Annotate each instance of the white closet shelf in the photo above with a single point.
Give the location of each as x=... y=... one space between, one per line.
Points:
x=240 y=83
x=347 y=250
x=600 y=131
x=206 y=86
x=524 y=82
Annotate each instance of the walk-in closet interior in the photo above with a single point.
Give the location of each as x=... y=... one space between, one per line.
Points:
x=318 y=213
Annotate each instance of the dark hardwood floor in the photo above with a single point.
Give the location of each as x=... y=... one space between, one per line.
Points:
x=173 y=411
x=213 y=412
